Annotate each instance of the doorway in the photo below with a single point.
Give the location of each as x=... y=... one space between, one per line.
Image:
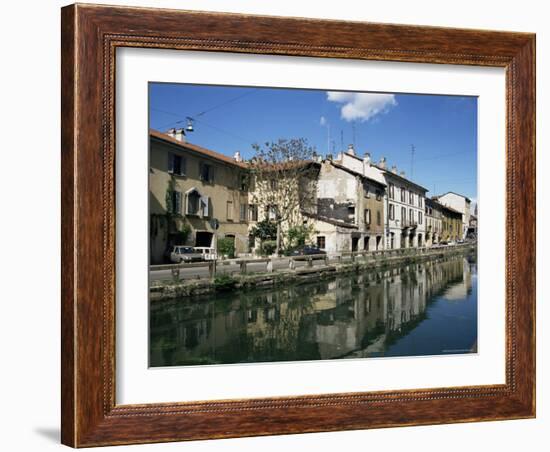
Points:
x=204 y=239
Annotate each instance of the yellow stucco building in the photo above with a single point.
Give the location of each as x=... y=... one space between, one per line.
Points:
x=196 y=196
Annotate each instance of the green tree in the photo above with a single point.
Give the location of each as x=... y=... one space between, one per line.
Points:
x=284 y=175
x=265 y=230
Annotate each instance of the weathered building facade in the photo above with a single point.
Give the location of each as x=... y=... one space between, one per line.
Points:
x=459 y=203
x=434 y=222
x=452 y=227
x=405 y=226
x=196 y=196
x=350 y=209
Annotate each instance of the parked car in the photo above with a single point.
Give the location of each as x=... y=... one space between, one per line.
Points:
x=208 y=254
x=180 y=254
x=307 y=250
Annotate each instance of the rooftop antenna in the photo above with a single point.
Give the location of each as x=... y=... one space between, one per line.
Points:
x=341 y=139
x=413 y=150
x=328 y=136
x=353 y=131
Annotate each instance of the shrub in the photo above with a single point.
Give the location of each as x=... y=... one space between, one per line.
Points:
x=224 y=282
x=226 y=247
x=268 y=247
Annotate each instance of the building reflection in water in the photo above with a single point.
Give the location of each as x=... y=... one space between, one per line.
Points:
x=417 y=309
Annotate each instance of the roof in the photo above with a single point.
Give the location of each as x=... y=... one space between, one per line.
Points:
x=443 y=206
x=454 y=193
x=433 y=200
x=355 y=173
x=195 y=148
x=329 y=220
x=385 y=170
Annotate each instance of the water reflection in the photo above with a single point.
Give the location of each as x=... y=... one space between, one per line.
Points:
x=417 y=309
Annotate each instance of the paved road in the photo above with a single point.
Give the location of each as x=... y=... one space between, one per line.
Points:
x=202 y=272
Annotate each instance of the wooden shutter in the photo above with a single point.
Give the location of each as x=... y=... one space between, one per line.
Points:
x=177 y=195
x=205 y=205
x=211 y=174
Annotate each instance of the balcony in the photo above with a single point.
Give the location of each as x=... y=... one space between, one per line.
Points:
x=409 y=224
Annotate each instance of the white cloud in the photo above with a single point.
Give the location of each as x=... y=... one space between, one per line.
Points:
x=361 y=106
x=323 y=121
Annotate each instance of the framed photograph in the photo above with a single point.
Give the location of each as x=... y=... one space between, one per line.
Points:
x=282 y=225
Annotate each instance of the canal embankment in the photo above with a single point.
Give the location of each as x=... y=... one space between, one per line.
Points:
x=250 y=274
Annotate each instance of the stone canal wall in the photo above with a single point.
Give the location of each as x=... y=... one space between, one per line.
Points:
x=286 y=270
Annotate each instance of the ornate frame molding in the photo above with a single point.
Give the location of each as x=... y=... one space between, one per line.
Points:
x=90 y=36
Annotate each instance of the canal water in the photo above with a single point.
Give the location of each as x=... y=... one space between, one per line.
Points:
x=418 y=309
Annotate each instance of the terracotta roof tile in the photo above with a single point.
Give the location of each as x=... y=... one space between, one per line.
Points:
x=198 y=149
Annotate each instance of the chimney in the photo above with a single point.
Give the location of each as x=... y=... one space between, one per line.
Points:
x=402 y=173
x=171 y=133
x=366 y=159
x=237 y=157
x=351 y=150
x=180 y=135
x=382 y=163
x=394 y=169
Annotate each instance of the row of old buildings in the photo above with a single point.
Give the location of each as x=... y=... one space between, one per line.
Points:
x=197 y=196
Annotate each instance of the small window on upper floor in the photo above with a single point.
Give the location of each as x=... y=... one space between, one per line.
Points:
x=176 y=164
x=206 y=172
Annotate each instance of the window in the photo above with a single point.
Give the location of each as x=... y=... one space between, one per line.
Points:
x=367 y=216
x=378 y=218
x=391 y=212
x=378 y=195
x=176 y=164
x=175 y=202
x=419 y=201
x=366 y=190
x=193 y=202
x=242 y=212
x=271 y=212
x=229 y=210
x=253 y=212
x=419 y=217
x=391 y=190
x=404 y=215
x=351 y=212
x=244 y=182
x=403 y=194
x=411 y=215
x=206 y=172
x=321 y=242
x=273 y=183
x=411 y=198
x=251 y=241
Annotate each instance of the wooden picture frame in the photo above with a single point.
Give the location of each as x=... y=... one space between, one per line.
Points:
x=90 y=36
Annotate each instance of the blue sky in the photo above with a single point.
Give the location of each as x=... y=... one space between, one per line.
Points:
x=443 y=129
